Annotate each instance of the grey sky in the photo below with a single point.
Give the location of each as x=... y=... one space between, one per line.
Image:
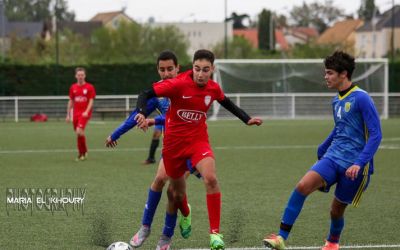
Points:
x=198 y=10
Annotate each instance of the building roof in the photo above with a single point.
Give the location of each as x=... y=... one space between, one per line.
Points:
x=106 y=17
x=305 y=31
x=384 y=20
x=281 y=40
x=83 y=28
x=339 y=32
x=250 y=34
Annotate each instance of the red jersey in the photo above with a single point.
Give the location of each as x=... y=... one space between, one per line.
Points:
x=187 y=114
x=81 y=94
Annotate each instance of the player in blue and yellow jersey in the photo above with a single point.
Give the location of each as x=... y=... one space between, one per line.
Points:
x=167 y=67
x=345 y=158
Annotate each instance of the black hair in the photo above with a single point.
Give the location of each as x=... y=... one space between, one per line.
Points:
x=340 y=61
x=167 y=55
x=204 y=54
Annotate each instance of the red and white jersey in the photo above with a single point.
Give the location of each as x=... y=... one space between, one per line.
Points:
x=187 y=114
x=81 y=94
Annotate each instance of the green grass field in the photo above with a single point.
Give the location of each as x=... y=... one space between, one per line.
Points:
x=257 y=169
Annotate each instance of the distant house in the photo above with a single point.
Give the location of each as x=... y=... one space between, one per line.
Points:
x=201 y=35
x=373 y=39
x=112 y=19
x=84 y=29
x=251 y=35
x=342 y=33
x=300 y=35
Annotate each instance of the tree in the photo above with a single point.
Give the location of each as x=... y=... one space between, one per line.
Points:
x=266 y=31
x=37 y=10
x=157 y=39
x=238 y=20
x=367 y=9
x=320 y=16
x=239 y=48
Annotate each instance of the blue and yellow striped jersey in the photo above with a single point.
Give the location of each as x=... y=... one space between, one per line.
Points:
x=357 y=132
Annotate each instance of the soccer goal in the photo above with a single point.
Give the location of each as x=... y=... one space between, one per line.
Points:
x=293 y=88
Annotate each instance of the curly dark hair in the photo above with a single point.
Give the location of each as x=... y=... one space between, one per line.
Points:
x=204 y=54
x=340 y=61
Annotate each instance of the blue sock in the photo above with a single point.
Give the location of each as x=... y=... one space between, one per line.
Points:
x=336 y=229
x=151 y=205
x=292 y=211
x=170 y=222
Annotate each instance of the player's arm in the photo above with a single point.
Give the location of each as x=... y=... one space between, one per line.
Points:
x=323 y=147
x=88 y=108
x=69 y=108
x=239 y=113
x=129 y=123
x=371 y=120
x=372 y=123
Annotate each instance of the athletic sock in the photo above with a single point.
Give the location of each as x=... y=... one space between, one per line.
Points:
x=292 y=211
x=336 y=229
x=214 y=211
x=150 y=208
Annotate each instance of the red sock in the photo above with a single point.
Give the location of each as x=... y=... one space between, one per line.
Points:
x=82 y=145
x=184 y=207
x=214 y=211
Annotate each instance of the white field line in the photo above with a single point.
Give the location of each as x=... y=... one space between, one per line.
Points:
x=306 y=247
x=276 y=147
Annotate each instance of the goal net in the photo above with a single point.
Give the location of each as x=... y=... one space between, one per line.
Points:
x=292 y=88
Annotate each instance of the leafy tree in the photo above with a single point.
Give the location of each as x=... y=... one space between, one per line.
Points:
x=238 y=47
x=265 y=32
x=238 y=20
x=320 y=16
x=36 y=10
x=154 y=40
x=312 y=50
x=367 y=9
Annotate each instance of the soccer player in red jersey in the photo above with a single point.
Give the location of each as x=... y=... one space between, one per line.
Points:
x=81 y=97
x=191 y=94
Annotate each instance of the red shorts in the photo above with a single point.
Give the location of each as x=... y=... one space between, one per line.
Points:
x=80 y=122
x=175 y=159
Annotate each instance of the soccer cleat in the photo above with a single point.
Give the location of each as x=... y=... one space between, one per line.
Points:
x=164 y=243
x=274 y=242
x=138 y=239
x=185 y=224
x=82 y=157
x=330 y=246
x=149 y=161
x=216 y=241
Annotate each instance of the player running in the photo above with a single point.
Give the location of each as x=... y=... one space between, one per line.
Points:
x=191 y=94
x=345 y=158
x=167 y=68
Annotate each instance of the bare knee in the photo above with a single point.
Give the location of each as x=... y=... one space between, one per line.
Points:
x=159 y=183
x=303 y=188
x=211 y=182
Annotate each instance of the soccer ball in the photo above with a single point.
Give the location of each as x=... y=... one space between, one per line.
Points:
x=119 y=246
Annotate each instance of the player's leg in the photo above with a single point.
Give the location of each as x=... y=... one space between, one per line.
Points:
x=150 y=208
x=347 y=192
x=80 y=125
x=176 y=192
x=155 y=141
x=321 y=175
x=206 y=167
x=337 y=224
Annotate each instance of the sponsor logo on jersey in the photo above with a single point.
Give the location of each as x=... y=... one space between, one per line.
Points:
x=80 y=99
x=347 y=106
x=207 y=100
x=191 y=115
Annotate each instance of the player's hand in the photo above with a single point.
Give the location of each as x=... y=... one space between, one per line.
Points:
x=140 y=119
x=85 y=114
x=67 y=118
x=352 y=172
x=110 y=143
x=151 y=122
x=255 y=121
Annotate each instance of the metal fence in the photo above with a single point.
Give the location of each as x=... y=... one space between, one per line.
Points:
x=275 y=106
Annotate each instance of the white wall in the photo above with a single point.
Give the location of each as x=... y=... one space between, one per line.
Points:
x=201 y=35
